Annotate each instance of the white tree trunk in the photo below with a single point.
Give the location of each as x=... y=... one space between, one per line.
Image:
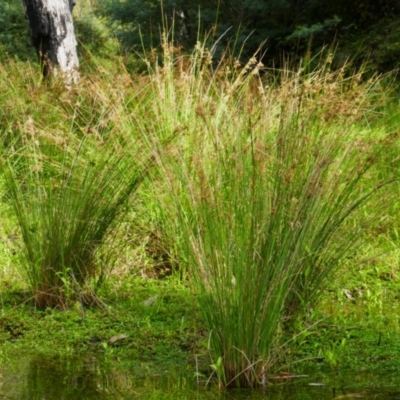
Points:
x=52 y=32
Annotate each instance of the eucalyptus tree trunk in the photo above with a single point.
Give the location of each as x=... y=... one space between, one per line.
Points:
x=52 y=32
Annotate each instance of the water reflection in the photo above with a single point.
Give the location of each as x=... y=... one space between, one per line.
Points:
x=34 y=377
x=39 y=377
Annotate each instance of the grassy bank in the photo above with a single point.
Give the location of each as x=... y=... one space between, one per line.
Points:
x=270 y=197
x=165 y=332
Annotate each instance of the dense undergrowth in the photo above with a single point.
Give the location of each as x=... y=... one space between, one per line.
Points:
x=269 y=195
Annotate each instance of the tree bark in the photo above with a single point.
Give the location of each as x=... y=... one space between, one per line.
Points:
x=52 y=32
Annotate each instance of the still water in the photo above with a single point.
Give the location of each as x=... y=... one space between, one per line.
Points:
x=34 y=377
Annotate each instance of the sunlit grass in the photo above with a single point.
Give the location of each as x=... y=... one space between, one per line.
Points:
x=266 y=187
x=70 y=164
x=268 y=182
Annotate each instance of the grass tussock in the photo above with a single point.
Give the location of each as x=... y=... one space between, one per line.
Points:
x=265 y=184
x=70 y=166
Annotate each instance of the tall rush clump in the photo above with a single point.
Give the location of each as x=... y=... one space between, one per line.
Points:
x=68 y=190
x=267 y=173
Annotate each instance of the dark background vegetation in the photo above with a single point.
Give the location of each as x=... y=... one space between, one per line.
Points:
x=365 y=31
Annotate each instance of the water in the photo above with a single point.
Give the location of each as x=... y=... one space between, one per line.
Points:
x=34 y=377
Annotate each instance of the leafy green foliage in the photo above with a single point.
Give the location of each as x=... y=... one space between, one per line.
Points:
x=95 y=39
x=289 y=26
x=285 y=26
x=139 y=22
x=14 y=36
x=380 y=45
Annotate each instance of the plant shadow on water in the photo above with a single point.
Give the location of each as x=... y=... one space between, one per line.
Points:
x=42 y=377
